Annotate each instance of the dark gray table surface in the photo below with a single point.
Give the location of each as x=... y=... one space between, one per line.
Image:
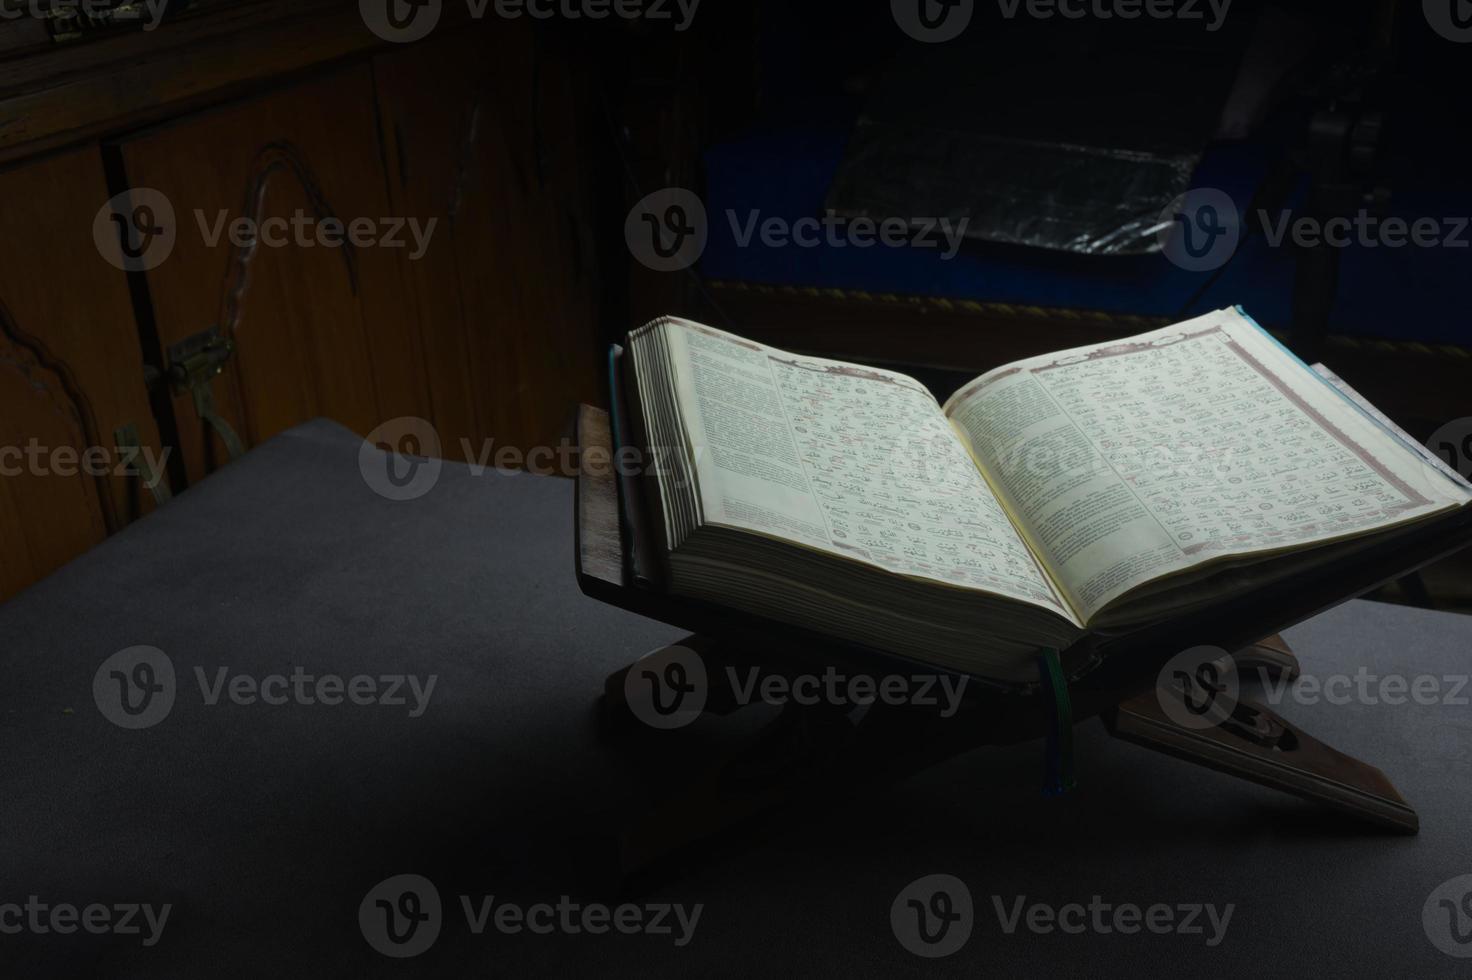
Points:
x=264 y=827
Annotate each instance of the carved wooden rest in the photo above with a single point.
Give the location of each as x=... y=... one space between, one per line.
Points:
x=818 y=749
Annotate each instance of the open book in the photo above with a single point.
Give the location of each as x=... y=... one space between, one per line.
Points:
x=1094 y=490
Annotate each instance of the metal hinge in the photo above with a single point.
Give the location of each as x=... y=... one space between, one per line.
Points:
x=193 y=363
x=137 y=463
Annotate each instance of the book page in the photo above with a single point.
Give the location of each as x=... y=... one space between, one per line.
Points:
x=854 y=461
x=1129 y=461
x=1385 y=423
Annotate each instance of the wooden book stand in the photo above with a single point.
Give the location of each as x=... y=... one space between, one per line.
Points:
x=809 y=751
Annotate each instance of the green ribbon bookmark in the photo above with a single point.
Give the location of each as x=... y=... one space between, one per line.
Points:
x=1058 y=762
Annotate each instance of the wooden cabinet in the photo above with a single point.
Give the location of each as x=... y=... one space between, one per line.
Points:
x=509 y=294
x=318 y=330
x=71 y=372
x=481 y=139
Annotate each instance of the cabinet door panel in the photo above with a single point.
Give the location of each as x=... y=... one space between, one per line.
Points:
x=71 y=371
x=318 y=330
x=489 y=131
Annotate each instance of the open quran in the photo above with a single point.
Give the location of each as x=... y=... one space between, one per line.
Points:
x=1094 y=490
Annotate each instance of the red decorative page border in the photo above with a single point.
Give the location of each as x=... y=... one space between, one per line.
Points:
x=1113 y=350
x=1413 y=496
x=847 y=371
x=1133 y=347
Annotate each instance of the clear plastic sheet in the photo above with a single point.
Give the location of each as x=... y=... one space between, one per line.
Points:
x=1038 y=137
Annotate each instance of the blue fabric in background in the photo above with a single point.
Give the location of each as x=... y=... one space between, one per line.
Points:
x=785 y=169
x=818 y=58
